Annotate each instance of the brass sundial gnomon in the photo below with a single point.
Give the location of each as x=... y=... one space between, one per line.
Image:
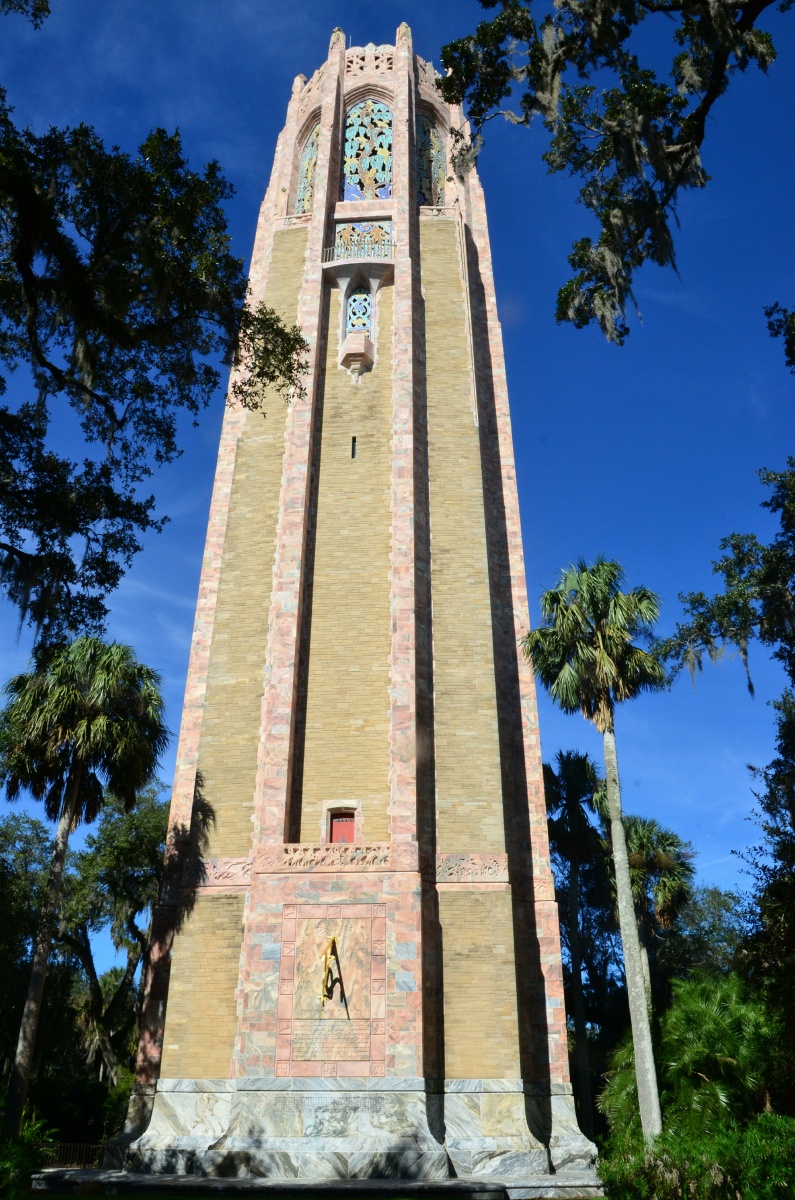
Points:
x=331 y=961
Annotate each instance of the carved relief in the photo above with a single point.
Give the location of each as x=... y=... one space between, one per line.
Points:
x=312 y=88
x=427 y=73
x=340 y=856
x=466 y=868
x=215 y=872
x=362 y=59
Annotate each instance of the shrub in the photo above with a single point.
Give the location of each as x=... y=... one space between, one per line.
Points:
x=731 y=1163
x=21 y=1156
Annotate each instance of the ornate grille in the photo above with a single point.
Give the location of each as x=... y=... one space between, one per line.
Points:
x=306 y=173
x=363 y=239
x=367 y=170
x=430 y=163
x=360 y=59
x=360 y=311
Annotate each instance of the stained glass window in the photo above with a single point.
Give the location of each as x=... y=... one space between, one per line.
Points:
x=306 y=173
x=363 y=239
x=430 y=163
x=360 y=311
x=367 y=169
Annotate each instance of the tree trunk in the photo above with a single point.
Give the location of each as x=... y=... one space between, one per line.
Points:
x=645 y=1071
x=23 y=1062
x=581 y=1064
x=644 y=958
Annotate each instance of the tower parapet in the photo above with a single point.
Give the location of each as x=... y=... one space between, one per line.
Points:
x=357 y=968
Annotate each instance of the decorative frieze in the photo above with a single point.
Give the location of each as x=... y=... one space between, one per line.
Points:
x=471 y=868
x=340 y=856
x=217 y=872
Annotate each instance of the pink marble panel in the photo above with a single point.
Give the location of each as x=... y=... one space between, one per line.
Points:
x=353 y=1070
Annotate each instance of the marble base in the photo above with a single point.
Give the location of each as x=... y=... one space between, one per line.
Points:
x=290 y=1129
x=353 y=1129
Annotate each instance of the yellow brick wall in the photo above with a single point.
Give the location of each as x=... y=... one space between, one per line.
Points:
x=232 y=709
x=468 y=781
x=201 y=1019
x=481 y=1037
x=346 y=754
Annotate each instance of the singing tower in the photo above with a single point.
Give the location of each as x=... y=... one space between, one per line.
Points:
x=356 y=969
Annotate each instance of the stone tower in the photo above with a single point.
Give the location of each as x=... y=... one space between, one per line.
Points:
x=356 y=969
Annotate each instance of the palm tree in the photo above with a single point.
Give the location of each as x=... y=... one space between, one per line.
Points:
x=662 y=873
x=584 y=656
x=88 y=718
x=571 y=798
x=718 y=1050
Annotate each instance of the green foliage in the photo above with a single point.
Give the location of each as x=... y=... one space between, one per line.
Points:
x=758 y=595
x=50 y=507
x=34 y=10
x=781 y=323
x=573 y=794
x=661 y=869
x=757 y=602
x=589 y=70
x=25 y=849
x=113 y=885
x=716 y=1053
x=22 y=1155
x=705 y=936
x=88 y=711
x=115 y=879
x=767 y=955
x=583 y=652
x=121 y=299
x=752 y=1163
x=87 y=1036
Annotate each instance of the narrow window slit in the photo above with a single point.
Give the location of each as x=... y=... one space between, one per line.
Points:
x=353 y=447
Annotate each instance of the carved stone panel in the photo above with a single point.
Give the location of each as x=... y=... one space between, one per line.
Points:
x=326 y=1021
x=471 y=868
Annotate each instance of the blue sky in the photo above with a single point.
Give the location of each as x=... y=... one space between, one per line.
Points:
x=646 y=453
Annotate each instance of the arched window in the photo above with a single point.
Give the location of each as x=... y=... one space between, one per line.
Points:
x=359 y=316
x=306 y=173
x=367 y=166
x=430 y=163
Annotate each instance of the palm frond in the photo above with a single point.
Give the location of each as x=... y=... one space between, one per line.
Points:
x=583 y=653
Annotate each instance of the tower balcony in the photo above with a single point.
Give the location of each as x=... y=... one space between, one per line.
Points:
x=364 y=249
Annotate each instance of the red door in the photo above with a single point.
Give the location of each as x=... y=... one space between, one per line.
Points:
x=342 y=827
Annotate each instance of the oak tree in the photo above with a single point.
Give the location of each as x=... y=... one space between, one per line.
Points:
x=121 y=305
x=626 y=89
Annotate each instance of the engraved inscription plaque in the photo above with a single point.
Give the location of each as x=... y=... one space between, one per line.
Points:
x=337 y=1041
